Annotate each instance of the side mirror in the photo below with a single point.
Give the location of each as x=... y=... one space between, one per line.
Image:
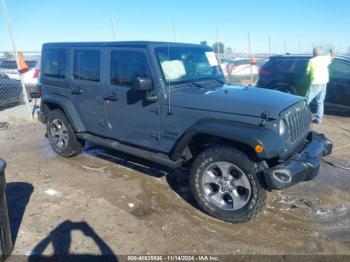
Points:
x=141 y=83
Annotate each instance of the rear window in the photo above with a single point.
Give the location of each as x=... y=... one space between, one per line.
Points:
x=281 y=65
x=87 y=65
x=55 y=63
x=31 y=63
x=295 y=66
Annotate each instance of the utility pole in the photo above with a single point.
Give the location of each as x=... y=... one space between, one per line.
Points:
x=299 y=47
x=285 y=46
x=9 y=28
x=174 y=32
x=270 y=45
x=114 y=29
x=251 y=59
x=218 y=45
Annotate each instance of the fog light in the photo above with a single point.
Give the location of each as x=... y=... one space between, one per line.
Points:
x=282 y=176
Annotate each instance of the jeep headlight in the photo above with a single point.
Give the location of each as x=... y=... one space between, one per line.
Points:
x=282 y=128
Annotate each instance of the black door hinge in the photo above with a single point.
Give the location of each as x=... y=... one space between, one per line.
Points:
x=155 y=110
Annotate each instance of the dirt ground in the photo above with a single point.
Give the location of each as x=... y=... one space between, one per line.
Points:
x=103 y=202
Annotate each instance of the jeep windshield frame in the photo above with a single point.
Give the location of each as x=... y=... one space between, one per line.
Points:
x=184 y=64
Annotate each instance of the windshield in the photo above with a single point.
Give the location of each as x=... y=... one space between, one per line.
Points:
x=186 y=64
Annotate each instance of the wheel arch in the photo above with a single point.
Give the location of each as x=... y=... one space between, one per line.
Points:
x=52 y=102
x=244 y=137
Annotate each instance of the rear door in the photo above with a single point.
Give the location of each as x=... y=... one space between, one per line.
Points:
x=131 y=118
x=86 y=87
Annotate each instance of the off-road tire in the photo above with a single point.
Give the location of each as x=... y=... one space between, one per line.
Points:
x=74 y=146
x=214 y=154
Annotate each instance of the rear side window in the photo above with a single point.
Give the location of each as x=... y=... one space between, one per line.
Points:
x=87 y=64
x=126 y=65
x=55 y=63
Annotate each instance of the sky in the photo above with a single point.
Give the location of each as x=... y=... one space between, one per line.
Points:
x=290 y=22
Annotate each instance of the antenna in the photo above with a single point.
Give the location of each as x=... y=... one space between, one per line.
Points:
x=251 y=59
x=114 y=30
x=169 y=86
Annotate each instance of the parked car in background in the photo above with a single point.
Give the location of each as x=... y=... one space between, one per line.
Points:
x=287 y=73
x=10 y=92
x=226 y=64
x=238 y=67
x=9 y=68
x=30 y=75
x=31 y=78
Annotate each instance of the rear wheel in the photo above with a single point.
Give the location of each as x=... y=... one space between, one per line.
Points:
x=61 y=135
x=225 y=185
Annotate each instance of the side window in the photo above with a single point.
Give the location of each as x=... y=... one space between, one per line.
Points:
x=126 y=65
x=340 y=70
x=55 y=63
x=87 y=65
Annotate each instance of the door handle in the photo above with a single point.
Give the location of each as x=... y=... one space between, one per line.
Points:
x=77 y=91
x=111 y=97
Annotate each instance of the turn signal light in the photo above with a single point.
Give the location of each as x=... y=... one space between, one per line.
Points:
x=259 y=149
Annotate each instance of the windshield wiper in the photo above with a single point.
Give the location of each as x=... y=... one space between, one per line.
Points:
x=213 y=79
x=220 y=81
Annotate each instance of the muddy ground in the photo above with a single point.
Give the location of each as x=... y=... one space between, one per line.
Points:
x=105 y=202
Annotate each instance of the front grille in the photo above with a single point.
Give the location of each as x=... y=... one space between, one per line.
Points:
x=298 y=118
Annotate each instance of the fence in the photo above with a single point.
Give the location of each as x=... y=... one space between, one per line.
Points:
x=19 y=93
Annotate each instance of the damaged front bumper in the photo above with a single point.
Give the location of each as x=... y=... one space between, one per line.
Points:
x=302 y=166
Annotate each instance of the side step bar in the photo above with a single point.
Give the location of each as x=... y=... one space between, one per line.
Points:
x=158 y=158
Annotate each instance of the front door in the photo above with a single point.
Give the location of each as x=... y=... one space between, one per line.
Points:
x=87 y=90
x=131 y=119
x=338 y=90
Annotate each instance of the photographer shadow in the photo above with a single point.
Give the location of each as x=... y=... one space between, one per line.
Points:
x=61 y=239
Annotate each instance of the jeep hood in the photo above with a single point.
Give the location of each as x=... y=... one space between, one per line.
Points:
x=230 y=99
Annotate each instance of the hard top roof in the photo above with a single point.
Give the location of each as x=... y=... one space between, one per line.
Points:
x=122 y=44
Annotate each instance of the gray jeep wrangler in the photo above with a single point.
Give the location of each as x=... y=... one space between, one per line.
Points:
x=168 y=103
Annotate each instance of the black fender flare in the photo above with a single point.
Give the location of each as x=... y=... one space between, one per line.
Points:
x=68 y=108
x=248 y=134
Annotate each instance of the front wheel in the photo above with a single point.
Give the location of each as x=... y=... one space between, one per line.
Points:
x=225 y=185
